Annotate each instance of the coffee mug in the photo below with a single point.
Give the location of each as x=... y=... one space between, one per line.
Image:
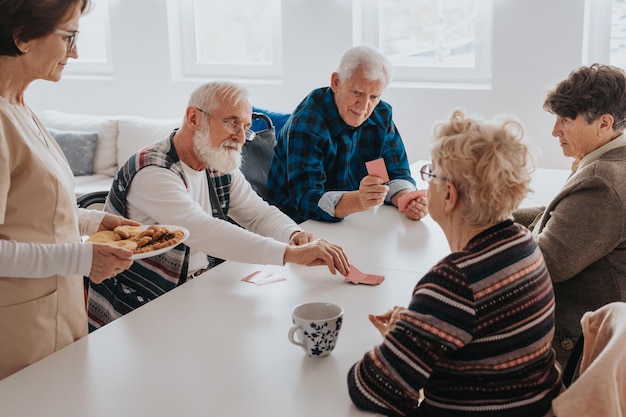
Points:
x=316 y=326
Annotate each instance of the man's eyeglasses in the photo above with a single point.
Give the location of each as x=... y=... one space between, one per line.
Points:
x=232 y=127
x=426 y=172
x=70 y=38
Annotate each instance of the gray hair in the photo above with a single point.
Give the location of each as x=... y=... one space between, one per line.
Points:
x=375 y=65
x=208 y=96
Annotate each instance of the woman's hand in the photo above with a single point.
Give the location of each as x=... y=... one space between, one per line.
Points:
x=385 y=322
x=111 y=221
x=108 y=261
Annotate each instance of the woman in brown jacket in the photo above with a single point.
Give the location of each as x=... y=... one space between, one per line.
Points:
x=582 y=232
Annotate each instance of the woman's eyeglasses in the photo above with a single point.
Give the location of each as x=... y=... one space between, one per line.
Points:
x=426 y=172
x=70 y=38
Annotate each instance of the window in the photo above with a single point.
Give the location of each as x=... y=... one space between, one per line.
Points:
x=605 y=32
x=234 y=39
x=429 y=40
x=93 y=42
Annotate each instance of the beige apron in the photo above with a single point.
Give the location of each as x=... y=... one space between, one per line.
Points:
x=37 y=316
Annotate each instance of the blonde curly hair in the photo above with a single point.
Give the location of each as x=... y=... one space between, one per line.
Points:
x=487 y=162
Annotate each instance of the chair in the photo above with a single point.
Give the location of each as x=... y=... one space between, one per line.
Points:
x=93 y=200
x=572 y=367
x=600 y=388
x=257 y=155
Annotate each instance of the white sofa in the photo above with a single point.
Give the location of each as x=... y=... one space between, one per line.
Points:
x=118 y=138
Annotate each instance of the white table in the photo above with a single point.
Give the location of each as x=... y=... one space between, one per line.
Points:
x=218 y=346
x=215 y=346
x=385 y=238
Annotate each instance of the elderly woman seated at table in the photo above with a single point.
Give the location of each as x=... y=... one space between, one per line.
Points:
x=582 y=232
x=476 y=335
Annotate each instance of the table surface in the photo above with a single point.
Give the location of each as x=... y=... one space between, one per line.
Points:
x=218 y=346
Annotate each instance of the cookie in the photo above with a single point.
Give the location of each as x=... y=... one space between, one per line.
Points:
x=105 y=236
x=128 y=231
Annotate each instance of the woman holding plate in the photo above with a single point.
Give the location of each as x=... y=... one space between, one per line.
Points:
x=42 y=259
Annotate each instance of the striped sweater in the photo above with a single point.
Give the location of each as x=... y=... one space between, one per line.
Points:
x=476 y=337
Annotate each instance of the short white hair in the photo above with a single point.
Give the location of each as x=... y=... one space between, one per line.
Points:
x=375 y=65
x=209 y=96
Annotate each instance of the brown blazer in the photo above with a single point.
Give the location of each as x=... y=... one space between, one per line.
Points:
x=582 y=236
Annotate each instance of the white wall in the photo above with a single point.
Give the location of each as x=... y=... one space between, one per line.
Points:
x=536 y=44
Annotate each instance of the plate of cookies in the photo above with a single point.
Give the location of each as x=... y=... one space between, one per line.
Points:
x=145 y=241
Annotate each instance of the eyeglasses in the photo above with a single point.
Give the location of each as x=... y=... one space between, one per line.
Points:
x=232 y=127
x=70 y=38
x=426 y=172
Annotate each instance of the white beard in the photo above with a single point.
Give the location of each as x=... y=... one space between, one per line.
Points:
x=220 y=158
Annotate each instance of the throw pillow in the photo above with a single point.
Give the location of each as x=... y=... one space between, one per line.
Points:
x=79 y=149
x=105 y=161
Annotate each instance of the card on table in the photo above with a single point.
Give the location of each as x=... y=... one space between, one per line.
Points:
x=358 y=277
x=377 y=168
x=405 y=199
x=263 y=277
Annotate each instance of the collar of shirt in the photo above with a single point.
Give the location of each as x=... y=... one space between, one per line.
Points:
x=595 y=155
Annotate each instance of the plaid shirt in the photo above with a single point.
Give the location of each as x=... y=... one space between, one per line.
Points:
x=317 y=152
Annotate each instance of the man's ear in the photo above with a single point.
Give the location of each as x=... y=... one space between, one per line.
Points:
x=451 y=197
x=334 y=82
x=193 y=117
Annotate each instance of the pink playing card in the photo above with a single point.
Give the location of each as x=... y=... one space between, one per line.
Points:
x=357 y=277
x=377 y=168
x=405 y=199
x=263 y=277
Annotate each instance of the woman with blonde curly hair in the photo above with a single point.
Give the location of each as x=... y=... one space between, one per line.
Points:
x=476 y=336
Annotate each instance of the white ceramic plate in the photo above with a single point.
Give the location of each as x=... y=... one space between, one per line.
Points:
x=165 y=249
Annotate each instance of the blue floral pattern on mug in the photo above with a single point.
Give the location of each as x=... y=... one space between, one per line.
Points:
x=324 y=338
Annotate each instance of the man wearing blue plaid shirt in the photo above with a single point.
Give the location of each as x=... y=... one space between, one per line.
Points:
x=318 y=170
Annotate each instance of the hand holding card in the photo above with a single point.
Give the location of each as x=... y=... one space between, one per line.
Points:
x=377 y=168
x=405 y=199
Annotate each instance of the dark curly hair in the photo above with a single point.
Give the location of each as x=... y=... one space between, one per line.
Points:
x=591 y=91
x=32 y=19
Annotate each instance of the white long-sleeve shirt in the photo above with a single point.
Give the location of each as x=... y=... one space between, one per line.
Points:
x=41 y=260
x=158 y=195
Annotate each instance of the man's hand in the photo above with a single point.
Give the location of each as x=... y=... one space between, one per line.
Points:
x=319 y=252
x=300 y=238
x=372 y=192
x=416 y=209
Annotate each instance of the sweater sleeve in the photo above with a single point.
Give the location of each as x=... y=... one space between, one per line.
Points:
x=89 y=221
x=388 y=378
x=253 y=213
x=564 y=237
x=41 y=260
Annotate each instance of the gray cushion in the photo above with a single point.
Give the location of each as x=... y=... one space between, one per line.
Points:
x=79 y=149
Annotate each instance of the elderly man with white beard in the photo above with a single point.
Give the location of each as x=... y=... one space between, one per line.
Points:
x=192 y=179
